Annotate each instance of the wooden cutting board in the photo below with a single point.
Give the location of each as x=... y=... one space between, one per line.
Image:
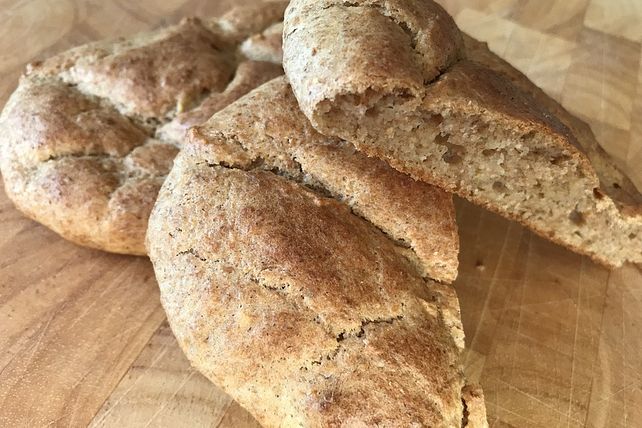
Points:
x=554 y=339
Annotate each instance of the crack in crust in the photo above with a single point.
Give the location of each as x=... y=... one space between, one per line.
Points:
x=469 y=122
x=266 y=130
x=421 y=260
x=433 y=63
x=90 y=134
x=340 y=334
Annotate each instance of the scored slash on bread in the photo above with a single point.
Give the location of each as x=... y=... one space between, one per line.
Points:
x=293 y=270
x=266 y=130
x=90 y=134
x=398 y=80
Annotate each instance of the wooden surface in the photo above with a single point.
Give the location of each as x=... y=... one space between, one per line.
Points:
x=554 y=339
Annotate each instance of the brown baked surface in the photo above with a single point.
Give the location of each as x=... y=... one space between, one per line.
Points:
x=476 y=127
x=293 y=273
x=265 y=129
x=90 y=134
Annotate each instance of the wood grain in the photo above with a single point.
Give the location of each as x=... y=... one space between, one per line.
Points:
x=554 y=339
x=161 y=389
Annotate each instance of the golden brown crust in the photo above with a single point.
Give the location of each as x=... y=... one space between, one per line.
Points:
x=303 y=311
x=90 y=134
x=408 y=42
x=249 y=75
x=266 y=129
x=159 y=75
x=479 y=129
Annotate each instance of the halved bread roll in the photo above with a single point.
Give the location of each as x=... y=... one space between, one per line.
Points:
x=398 y=80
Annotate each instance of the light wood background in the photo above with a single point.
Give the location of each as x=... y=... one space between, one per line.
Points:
x=554 y=339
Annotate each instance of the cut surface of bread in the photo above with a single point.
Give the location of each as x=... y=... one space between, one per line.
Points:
x=90 y=134
x=294 y=273
x=438 y=105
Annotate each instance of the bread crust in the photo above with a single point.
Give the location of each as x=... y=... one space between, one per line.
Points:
x=474 y=91
x=266 y=129
x=90 y=134
x=288 y=284
x=366 y=46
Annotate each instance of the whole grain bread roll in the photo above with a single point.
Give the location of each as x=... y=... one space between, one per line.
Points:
x=295 y=273
x=399 y=81
x=90 y=134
